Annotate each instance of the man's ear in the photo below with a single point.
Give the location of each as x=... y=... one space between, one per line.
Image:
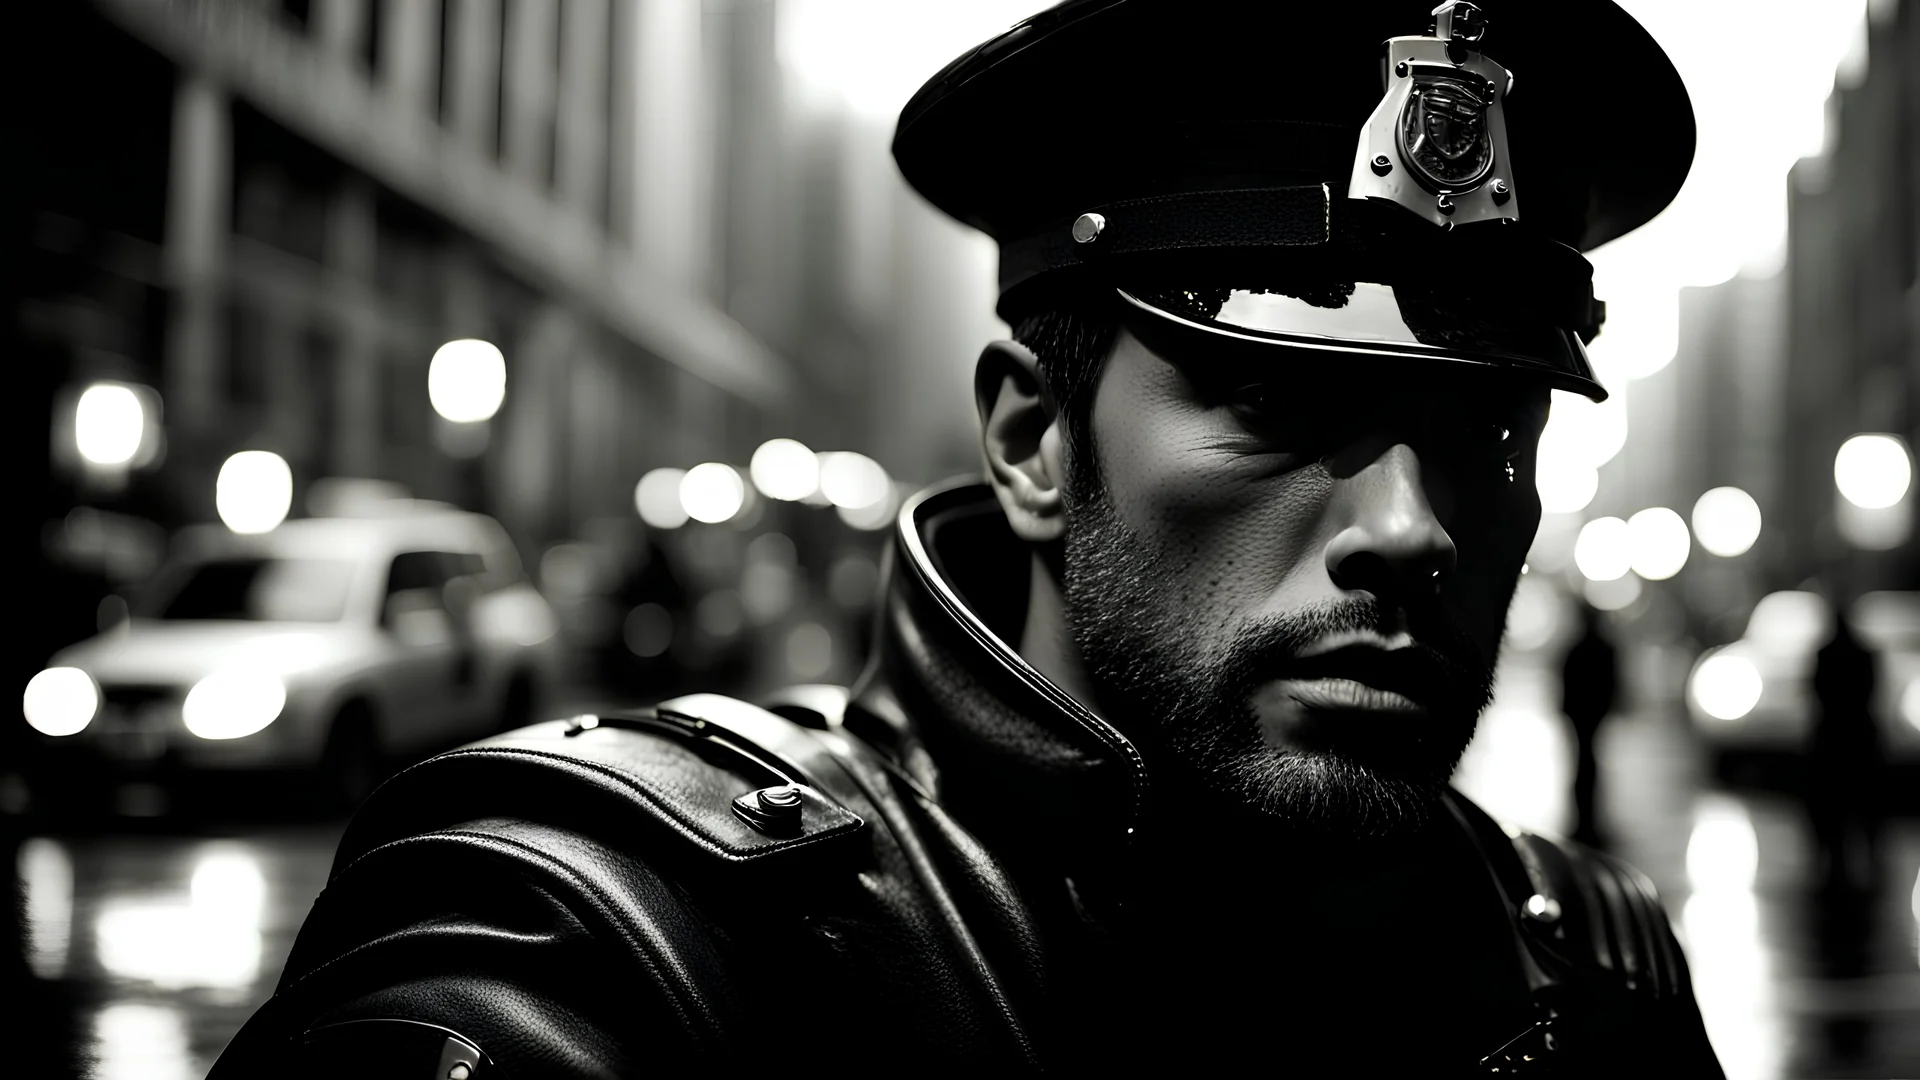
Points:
x=1021 y=439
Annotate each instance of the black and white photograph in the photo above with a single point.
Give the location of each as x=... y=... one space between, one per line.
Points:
x=575 y=539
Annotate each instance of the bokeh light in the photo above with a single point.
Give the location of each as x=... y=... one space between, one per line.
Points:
x=785 y=469
x=648 y=630
x=712 y=492
x=1617 y=594
x=109 y=424
x=1581 y=432
x=1725 y=686
x=1566 y=487
x=1726 y=521
x=809 y=650
x=657 y=498
x=872 y=517
x=254 y=491
x=1873 y=471
x=1603 y=551
x=1537 y=615
x=1657 y=543
x=852 y=481
x=467 y=380
x=60 y=701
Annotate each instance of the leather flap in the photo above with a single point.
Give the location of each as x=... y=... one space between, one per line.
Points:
x=677 y=772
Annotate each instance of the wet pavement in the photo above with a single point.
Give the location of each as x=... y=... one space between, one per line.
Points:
x=143 y=944
x=143 y=947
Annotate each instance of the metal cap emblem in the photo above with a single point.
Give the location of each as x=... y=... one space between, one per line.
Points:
x=1441 y=123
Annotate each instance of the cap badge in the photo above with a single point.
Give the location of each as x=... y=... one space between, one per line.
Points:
x=1437 y=143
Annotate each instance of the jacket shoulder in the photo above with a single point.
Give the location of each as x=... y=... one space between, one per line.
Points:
x=558 y=896
x=1601 y=915
x=702 y=777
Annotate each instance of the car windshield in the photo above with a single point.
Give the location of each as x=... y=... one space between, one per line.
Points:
x=255 y=588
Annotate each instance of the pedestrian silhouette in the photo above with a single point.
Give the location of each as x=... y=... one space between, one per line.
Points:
x=1844 y=761
x=1590 y=687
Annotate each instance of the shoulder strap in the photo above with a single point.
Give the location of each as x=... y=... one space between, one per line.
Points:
x=1603 y=915
x=549 y=895
x=1592 y=913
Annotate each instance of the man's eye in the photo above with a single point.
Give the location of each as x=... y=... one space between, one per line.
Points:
x=1260 y=398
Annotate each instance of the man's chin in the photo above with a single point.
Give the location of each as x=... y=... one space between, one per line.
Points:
x=1318 y=794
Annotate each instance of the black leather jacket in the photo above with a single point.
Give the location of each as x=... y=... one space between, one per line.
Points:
x=978 y=874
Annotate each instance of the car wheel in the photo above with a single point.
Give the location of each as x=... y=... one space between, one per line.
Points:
x=353 y=765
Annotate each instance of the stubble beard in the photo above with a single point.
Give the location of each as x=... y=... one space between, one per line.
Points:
x=1146 y=651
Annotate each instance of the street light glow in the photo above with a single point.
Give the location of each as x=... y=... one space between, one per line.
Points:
x=1873 y=471
x=108 y=424
x=467 y=380
x=785 y=469
x=1725 y=686
x=1603 y=550
x=712 y=492
x=254 y=491
x=1566 y=487
x=1657 y=543
x=657 y=498
x=1726 y=521
x=852 y=481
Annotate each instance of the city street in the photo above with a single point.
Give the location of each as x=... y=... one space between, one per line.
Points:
x=146 y=943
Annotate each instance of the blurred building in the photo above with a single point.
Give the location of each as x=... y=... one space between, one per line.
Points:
x=338 y=187
x=263 y=217
x=1854 y=310
x=1774 y=373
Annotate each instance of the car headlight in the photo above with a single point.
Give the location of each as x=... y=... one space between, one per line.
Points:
x=60 y=701
x=233 y=704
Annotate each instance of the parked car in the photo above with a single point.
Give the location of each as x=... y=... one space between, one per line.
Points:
x=332 y=644
x=1755 y=695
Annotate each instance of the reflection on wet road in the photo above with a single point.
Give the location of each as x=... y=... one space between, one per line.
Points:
x=142 y=954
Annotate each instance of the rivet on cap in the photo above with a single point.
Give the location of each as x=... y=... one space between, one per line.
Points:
x=1088 y=226
x=460 y=1071
x=1502 y=191
x=1543 y=908
x=1445 y=204
x=583 y=722
x=1401 y=69
x=1381 y=166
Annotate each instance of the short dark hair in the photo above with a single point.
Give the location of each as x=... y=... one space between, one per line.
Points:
x=1072 y=343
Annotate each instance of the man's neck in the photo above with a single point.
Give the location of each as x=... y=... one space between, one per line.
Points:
x=1045 y=641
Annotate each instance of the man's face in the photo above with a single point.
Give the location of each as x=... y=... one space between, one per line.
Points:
x=1295 y=585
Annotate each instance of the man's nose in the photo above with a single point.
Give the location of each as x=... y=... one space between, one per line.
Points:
x=1393 y=544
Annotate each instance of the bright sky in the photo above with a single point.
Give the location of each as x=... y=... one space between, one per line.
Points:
x=1759 y=72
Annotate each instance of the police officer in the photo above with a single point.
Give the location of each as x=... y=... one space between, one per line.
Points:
x=1150 y=765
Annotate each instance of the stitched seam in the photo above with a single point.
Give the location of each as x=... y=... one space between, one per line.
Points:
x=1102 y=732
x=677 y=988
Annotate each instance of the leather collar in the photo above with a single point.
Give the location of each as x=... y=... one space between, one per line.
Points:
x=1011 y=755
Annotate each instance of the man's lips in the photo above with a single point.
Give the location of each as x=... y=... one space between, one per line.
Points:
x=1408 y=679
x=1348 y=695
